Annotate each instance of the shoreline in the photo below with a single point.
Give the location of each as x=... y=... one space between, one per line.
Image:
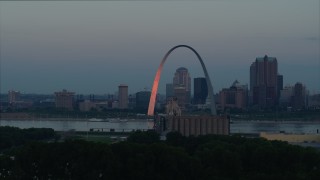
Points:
x=280 y=121
x=111 y=120
x=137 y=119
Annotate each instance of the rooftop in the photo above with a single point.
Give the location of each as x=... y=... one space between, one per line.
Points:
x=267 y=58
x=182 y=69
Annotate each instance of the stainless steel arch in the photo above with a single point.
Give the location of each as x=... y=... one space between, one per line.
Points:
x=157 y=79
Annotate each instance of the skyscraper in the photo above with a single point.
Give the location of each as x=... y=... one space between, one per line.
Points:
x=299 y=96
x=279 y=85
x=200 y=90
x=182 y=86
x=264 y=81
x=182 y=78
x=142 y=100
x=123 y=96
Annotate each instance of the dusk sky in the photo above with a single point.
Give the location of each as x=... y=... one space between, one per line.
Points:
x=92 y=47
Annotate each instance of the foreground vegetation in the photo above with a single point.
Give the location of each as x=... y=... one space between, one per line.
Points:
x=144 y=156
x=12 y=136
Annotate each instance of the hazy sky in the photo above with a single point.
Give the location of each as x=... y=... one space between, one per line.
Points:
x=92 y=47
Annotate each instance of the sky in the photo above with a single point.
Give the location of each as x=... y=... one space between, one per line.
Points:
x=92 y=47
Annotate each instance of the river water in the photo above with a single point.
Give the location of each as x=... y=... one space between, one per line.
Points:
x=129 y=125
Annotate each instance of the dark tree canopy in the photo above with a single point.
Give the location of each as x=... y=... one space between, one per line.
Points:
x=143 y=156
x=144 y=137
x=12 y=136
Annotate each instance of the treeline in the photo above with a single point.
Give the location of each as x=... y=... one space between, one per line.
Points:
x=13 y=136
x=235 y=157
x=144 y=156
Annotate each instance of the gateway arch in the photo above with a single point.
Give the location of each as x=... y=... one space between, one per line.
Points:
x=157 y=79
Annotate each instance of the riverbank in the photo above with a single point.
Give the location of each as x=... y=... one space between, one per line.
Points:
x=278 y=116
x=279 y=121
x=234 y=118
x=29 y=117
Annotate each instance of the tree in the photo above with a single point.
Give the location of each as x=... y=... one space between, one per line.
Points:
x=146 y=137
x=175 y=139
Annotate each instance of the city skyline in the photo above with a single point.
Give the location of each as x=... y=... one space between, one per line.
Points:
x=92 y=47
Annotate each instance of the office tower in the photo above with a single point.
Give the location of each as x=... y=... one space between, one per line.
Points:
x=264 y=82
x=299 y=96
x=142 y=100
x=132 y=101
x=234 y=97
x=123 y=96
x=169 y=90
x=64 y=99
x=13 y=96
x=182 y=86
x=252 y=82
x=200 y=90
x=279 y=85
x=182 y=78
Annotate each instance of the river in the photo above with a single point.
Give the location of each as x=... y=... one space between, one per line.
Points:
x=129 y=125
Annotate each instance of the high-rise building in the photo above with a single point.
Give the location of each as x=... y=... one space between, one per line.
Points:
x=264 y=81
x=142 y=100
x=182 y=78
x=123 y=96
x=13 y=96
x=200 y=90
x=299 y=96
x=64 y=99
x=132 y=101
x=279 y=85
x=182 y=86
x=234 y=97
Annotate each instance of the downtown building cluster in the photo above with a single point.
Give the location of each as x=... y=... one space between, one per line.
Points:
x=266 y=91
x=266 y=87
